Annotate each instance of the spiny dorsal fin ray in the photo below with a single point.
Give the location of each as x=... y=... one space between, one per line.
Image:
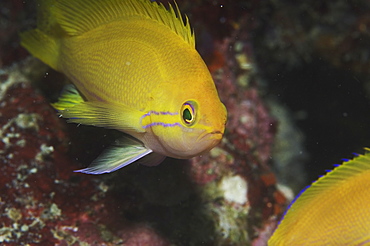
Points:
x=79 y=16
x=349 y=169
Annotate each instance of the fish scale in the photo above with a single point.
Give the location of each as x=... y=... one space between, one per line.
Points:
x=131 y=89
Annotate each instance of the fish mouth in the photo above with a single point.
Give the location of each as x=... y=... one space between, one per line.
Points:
x=217 y=132
x=216 y=135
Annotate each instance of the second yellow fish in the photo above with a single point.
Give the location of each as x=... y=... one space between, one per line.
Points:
x=334 y=210
x=136 y=70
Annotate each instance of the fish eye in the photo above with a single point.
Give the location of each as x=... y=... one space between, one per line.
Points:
x=188 y=113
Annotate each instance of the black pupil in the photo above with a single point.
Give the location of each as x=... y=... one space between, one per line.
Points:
x=187 y=115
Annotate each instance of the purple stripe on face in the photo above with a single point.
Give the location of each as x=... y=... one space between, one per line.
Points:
x=159 y=123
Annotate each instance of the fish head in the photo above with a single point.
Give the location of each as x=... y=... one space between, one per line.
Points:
x=195 y=128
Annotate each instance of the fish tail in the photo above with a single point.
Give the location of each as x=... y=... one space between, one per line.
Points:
x=42 y=46
x=43 y=42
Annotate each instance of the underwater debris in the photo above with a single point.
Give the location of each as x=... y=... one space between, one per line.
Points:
x=235 y=189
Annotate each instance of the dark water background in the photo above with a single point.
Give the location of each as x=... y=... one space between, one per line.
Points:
x=336 y=107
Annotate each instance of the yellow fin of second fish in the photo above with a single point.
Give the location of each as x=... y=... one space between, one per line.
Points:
x=71 y=105
x=79 y=16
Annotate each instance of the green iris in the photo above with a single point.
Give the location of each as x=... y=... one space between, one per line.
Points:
x=187 y=116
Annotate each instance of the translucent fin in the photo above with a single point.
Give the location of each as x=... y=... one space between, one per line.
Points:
x=123 y=153
x=152 y=159
x=77 y=17
x=71 y=105
x=42 y=46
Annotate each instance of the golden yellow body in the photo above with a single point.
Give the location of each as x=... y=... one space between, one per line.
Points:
x=135 y=64
x=335 y=210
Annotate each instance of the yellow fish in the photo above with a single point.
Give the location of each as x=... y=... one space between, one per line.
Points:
x=136 y=70
x=335 y=210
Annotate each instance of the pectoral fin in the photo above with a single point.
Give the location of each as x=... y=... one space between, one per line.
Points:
x=70 y=97
x=124 y=152
x=116 y=116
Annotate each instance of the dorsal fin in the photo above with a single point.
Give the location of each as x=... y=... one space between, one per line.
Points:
x=79 y=16
x=349 y=169
x=332 y=180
